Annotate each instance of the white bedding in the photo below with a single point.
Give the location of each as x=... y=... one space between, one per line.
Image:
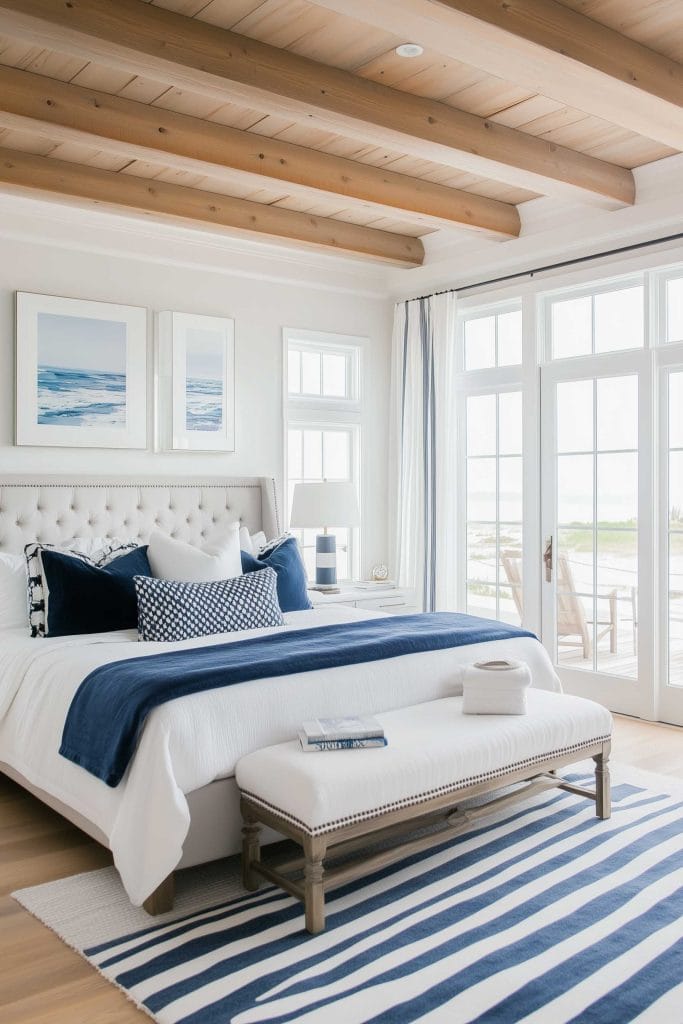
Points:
x=189 y=742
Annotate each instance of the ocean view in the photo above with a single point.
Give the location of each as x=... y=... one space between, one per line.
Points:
x=81 y=398
x=203 y=404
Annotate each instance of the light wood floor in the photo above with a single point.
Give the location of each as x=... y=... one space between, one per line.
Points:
x=44 y=982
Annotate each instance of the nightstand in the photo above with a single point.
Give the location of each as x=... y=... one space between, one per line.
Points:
x=395 y=600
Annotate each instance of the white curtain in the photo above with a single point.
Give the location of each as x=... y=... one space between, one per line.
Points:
x=423 y=450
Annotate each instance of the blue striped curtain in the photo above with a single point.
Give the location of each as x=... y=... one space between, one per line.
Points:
x=422 y=449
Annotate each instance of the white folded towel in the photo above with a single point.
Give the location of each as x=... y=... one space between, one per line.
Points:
x=496 y=688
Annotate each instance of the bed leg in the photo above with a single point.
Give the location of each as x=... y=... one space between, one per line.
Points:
x=251 y=849
x=603 y=798
x=161 y=900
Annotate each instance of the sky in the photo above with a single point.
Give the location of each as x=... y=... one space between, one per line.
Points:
x=81 y=343
x=204 y=354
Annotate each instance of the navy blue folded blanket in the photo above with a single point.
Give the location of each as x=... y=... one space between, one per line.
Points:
x=110 y=706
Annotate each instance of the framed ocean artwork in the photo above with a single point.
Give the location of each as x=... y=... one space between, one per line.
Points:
x=81 y=373
x=196 y=382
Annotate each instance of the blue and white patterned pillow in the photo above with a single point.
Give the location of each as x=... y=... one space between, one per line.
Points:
x=169 y=610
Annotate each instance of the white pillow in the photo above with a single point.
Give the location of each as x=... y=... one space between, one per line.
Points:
x=252 y=544
x=172 y=559
x=258 y=541
x=13 y=591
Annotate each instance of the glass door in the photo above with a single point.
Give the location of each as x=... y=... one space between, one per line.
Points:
x=596 y=528
x=670 y=675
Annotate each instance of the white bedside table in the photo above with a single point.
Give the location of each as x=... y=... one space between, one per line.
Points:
x=395 y=600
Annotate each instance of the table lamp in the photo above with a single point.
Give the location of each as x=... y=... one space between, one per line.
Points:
x=328 y=503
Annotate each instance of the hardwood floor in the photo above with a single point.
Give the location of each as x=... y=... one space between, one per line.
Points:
x=44 y=982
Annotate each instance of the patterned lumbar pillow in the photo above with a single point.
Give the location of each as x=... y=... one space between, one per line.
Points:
x=98 y=552
x=168 y=610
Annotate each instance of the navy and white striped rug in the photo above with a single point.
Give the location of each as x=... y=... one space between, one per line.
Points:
x=544 y=915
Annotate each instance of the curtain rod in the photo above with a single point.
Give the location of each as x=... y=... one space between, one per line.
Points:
x=554 y=266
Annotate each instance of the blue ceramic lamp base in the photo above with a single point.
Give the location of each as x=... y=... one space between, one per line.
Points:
x=325 y=560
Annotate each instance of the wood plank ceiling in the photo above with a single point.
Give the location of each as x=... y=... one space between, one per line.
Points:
x=294 y=120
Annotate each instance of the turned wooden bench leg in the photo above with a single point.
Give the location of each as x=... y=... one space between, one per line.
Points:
x=161 y=900
x=314 y=892
x=251 y=849
x=603 y=797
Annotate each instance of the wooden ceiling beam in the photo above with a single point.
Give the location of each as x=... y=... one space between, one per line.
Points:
x=71 y=113
x=92 y=186
x=547 y=48
x=193 y=55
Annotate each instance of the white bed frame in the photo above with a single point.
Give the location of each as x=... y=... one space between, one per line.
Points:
x=57 y=509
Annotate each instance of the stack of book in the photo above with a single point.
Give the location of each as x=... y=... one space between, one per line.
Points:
x=341 y=734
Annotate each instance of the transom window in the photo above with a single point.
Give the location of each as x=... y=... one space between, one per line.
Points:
x=492 y=338
x=673 y=311
x=321 y=370
x=601 y=320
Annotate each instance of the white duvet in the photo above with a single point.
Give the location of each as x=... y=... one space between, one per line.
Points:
x=189 y=742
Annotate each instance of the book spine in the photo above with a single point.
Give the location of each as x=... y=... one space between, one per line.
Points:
x=344 y=744
x=335 y=737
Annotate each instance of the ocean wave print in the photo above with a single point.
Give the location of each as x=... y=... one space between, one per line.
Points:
x=81 y=398
x=203 y=404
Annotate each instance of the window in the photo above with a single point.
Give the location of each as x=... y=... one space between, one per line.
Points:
x=675 y=547
x=673 y=315
x=494 y=505
x=601 y=320
x=322 y=370
x=492 y=338
x=323 y=428
x=597 y=522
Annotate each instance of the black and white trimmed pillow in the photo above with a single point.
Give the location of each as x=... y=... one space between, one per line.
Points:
x=169 y=610
x=38 y=594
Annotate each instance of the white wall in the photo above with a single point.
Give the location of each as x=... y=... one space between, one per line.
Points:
x=260 y=309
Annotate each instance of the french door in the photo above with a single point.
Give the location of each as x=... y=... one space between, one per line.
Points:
x=597 y=528
x=670 y=545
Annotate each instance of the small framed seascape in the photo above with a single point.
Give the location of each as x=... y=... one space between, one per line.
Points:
x=196 y=382
x=81 y=373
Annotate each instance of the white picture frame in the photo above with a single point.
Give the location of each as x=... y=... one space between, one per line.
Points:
x=195 y=382
x=81 y=373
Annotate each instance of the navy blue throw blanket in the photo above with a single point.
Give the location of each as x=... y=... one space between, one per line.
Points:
x=111 y=704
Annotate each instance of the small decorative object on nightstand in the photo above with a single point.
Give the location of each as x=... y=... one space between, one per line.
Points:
x=325 y=504
x=380 y=597
x=379 y=573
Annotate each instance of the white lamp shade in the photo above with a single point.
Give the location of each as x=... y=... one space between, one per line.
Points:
x=325 y=504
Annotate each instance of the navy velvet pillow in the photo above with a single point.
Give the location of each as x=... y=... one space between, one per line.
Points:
x=292 y=591
x=86 y=598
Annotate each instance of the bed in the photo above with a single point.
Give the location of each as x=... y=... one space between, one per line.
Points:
x=178 y=803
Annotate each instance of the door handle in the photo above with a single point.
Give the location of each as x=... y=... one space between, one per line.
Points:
x=548 y=560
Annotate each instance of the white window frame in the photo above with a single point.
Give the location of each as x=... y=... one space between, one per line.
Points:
x=480 y=312
x=335 y=344
x=659 y=305
x=318 y=412
x=601 y=287
x=522 y=377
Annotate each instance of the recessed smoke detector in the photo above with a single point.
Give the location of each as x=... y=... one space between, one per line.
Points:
x=409 y=50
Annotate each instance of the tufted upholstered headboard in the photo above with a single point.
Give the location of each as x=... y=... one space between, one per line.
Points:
x=57 y=509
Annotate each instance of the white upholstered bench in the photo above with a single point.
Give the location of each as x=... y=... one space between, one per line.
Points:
x=336 y=804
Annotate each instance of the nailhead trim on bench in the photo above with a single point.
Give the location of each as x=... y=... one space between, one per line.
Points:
x=330 y=826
